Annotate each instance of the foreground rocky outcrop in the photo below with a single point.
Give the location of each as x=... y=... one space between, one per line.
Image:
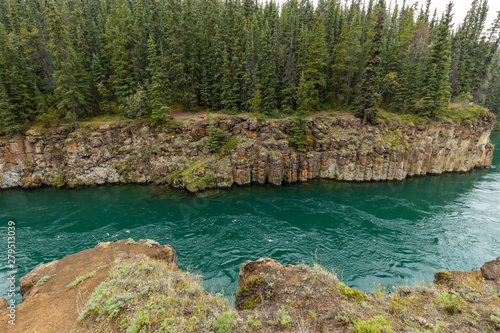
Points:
x=257 y=152
x=130 y=286
x=54 y=293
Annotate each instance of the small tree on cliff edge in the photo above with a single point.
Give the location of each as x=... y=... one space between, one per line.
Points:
x=368 y=100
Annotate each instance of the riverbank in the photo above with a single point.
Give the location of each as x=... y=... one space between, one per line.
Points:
x=255 y=151
x=132 y=286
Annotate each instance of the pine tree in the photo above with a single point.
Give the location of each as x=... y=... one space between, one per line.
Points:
x=493 y=92
x=406 y=96
x=347 y=57
x=71 y=82
x=267 y=72
x=436 y=90
x=368 y=95
x=17 y=102
x=83 y=58
x=191 y=35
x=157 y=99
x=212 y=73
x=314 y=75
x=120 y=49
x=289 y=24
x=232 y=97
x=255 y=106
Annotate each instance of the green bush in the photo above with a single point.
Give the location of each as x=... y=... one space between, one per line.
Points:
x=285 y=318
x=461 y=114
x=216 y=139
x=174 y=175
x=450 y=302
x=226 y=322
x=231 y=144
x=374 y=325
x=414 y=118
x=297 y=133
x=135 y=106
x=161 y=116
x=496 y=319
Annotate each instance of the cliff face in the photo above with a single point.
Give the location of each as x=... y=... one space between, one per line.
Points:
x=258 y=152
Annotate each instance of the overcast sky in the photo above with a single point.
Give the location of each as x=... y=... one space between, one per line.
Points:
x=460 y=8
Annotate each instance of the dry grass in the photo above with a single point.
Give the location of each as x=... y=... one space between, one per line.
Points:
x=150 y=296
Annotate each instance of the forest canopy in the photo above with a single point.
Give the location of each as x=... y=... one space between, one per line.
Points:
x=76 y=59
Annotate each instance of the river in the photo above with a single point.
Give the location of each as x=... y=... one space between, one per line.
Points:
x=392 y=233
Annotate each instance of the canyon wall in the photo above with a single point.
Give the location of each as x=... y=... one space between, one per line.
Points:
x=257 y=152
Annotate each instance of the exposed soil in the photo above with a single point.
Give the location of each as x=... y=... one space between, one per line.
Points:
x=184 y=114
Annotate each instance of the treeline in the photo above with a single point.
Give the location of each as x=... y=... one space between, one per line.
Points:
x=493 y=92
x=76 y=59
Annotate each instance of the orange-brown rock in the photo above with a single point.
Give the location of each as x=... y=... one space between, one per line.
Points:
x=50 y=304
x=488 y=274
x=491 y=270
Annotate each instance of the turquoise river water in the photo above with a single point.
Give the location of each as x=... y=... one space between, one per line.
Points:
x=392 y=233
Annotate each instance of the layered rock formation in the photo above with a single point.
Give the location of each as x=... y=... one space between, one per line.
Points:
x=259 y=152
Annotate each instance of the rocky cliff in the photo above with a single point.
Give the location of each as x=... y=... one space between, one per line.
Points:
x=257 y=152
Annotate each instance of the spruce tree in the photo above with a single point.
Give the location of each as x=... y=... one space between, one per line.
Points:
x=17 y=101
x=267 y=72
x=347 y=57
x=71 y=81
x=493 y=92
x=314 y=74
x=84 y=58
x=157 y=98
x=436 y=89
x=368 y=98
x=120 y=49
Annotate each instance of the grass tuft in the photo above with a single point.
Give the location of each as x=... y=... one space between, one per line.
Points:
x=44 y=279
x=80 y=279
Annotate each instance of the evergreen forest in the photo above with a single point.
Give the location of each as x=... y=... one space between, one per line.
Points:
x=77 y=59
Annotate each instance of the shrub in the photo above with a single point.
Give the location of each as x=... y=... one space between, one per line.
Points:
x=174 y=175
x=149 y=295
x=495 y=318
x=374 y=325
x=450 y=302
x=226 y=322
x=254 y=320
x=351 y=293
x=149 y=243
x=285 y=318
x=231 y=144
x=216 y=139
x=297 y=135
x=161 y=116
x=135 y=105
